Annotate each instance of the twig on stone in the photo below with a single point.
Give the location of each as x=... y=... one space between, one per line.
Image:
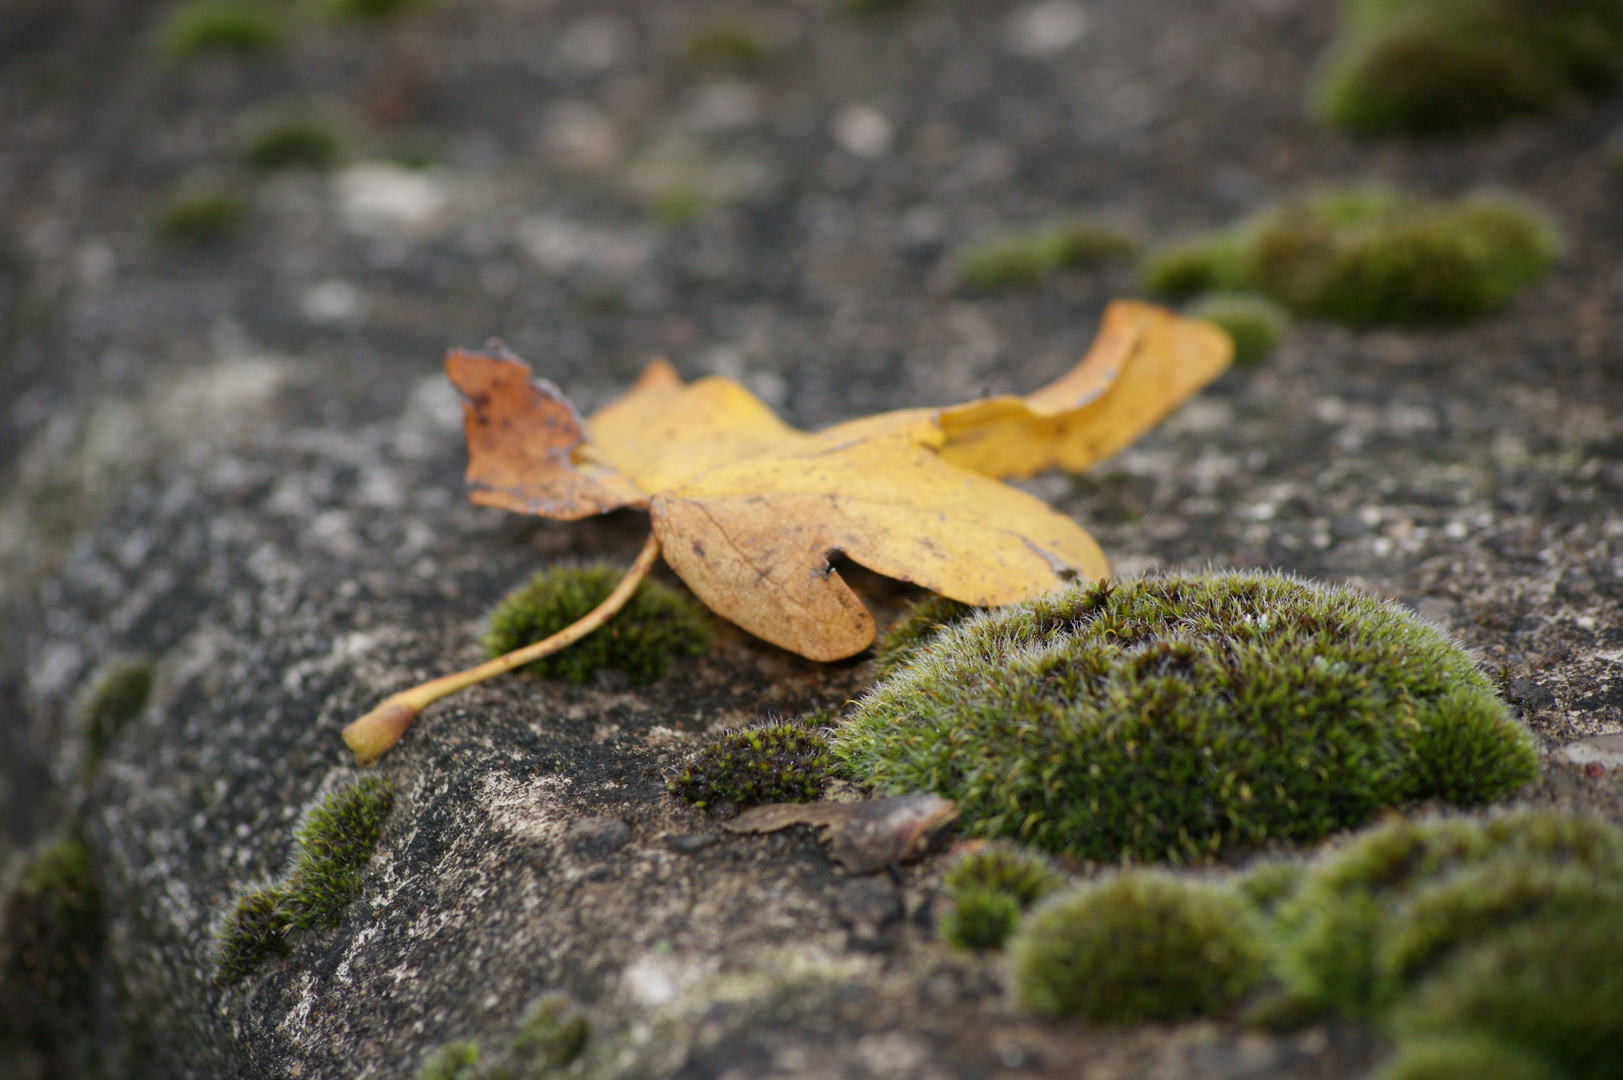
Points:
x=381 y=728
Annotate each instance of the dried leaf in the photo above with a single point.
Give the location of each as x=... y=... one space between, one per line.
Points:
x=748 y=510
x=865 y=836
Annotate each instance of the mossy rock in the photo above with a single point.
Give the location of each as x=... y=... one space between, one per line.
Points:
x=1376 y=918
x=1138 y=945
x=657 y=625
x=1424 y=67
x=1183 y=716
x=780 y=761
x=1368 y=256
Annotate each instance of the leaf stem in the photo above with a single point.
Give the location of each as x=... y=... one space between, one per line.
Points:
x=381 y=728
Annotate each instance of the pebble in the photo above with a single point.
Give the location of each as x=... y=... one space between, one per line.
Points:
x=598 y=836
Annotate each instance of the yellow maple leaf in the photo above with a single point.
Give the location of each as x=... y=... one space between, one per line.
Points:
x=748 y=510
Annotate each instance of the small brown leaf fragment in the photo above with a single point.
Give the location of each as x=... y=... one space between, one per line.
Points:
x=865 y=836
x=522 y=435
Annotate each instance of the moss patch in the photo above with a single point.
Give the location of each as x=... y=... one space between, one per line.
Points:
x=1373 y=920
x=1254 y=323
x=1181 y=716
x=333 y=845
x=657 y=624
x=783 y=761
x=117 y=698
x=293 y=141
x=219 y=26
x=1423 y=67
x=553 y=1033
x=202 y=213
x=990 y=886
x=1368 y=256
x=1134 y=946
x=52 y=924
x=1027 y=259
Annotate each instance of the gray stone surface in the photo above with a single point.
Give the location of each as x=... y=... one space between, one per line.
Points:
x=240 y=460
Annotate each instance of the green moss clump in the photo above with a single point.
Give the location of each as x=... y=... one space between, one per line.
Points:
x=1025 y=260
x=552 y=1034
x=52 y=939
x=196 y=214
x=656 y=624
x=1177 y=717
x=1137 y=945
x=735 y=45
x=980 y=919
x=1375 y=918
x=783 y=761
x=117 y=698
x=1550 y=988
x=990 y=886
x=1463 y=1059
x=1369 y=256
x=916 y=628
x=1254 y=323
x=1424 y=67
x=227 y=26
x=255 y=930
x=286 y=142
x=335 y=842
x=453 y=1061
x=333 y=846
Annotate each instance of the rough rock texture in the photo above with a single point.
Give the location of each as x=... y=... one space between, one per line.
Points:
x=238 y=458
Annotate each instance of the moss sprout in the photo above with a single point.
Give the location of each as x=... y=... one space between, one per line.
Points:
x=781 y=761
x=238 y=27
x=1137 y=945
x=52 y=936
x=1366 y=256
x=117 y=698
x=1026 y=259
x=1254 y=323
x=1404 y=899
x=1434 y=66
x=333 y=845
x=453 y=1061
x=200 y=213
x=739 y=46
x=1181 y=716
x=990 y=886
x=294 y=141
x=658 y=623
x=918 y=625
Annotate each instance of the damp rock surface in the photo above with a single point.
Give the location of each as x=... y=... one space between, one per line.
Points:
x=236 y=460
